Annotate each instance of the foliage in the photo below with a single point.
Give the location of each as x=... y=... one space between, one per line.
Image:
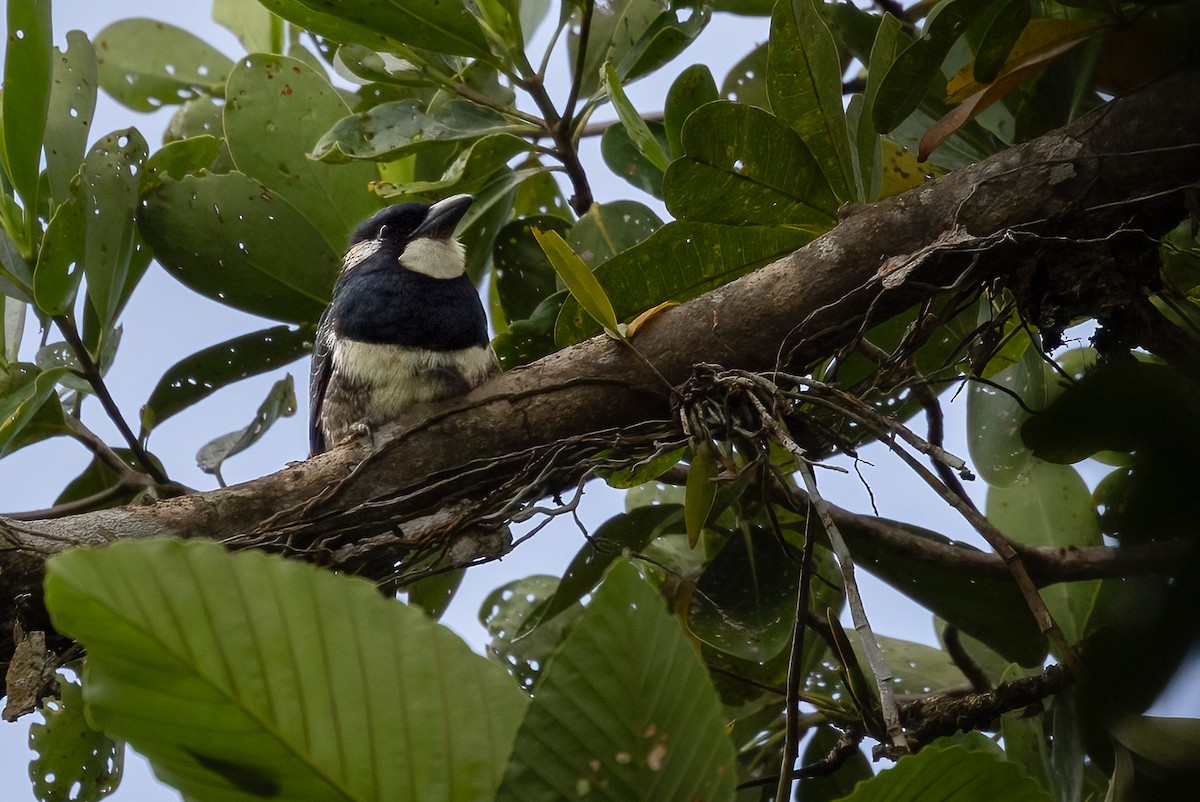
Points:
x=223 y=669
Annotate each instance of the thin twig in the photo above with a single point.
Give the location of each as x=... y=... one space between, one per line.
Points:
x=795 y=675
x=879 y=666
x=91 y=374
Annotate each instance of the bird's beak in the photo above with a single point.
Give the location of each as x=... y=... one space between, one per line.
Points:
x=443 y=216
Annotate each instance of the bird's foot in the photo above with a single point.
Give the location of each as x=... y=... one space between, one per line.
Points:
x=362 y=429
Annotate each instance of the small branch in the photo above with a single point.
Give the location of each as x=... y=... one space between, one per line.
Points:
x=843 y=750
x=980 y=682
x=91 y=374
x=585 y=32
x=858 y=613
x=597 y=129
x=92 y=502
x=795 y=674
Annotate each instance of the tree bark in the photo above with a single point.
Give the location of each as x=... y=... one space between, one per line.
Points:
x=1035 y=214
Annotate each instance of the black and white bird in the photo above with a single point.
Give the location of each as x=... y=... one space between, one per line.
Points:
x=405 y=325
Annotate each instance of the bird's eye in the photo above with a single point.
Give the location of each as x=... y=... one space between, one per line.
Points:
x=383 y=232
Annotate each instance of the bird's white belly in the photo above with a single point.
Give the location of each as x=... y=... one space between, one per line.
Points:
x=396 y=377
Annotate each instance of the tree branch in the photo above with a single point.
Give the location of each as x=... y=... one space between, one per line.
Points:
x=1119 y=168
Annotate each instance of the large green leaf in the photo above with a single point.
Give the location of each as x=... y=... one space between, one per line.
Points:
x=69 y=117
x=947 y=772
x=1052 y=507
x=229 y=238
x=746 y=81
x=146 y=64
x=743 y=166
x=509 y=613
x=28 y=68
x=607 y=229
x=804 y=83
x=678 y=262
x=433 y=24
x=524 y=276
x=868 y=157
x=276 y=108
x=109 y=178
x=995 y=413
x=198 y=376
x=625 y=710
x=244 y=676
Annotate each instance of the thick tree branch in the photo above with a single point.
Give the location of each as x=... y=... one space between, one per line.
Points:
x=1119 y=169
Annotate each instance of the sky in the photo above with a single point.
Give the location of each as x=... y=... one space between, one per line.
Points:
x=165 y=321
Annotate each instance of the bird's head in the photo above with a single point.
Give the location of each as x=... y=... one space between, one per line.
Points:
x=419 y=236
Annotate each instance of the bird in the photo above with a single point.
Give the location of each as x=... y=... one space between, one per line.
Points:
x=405 y=325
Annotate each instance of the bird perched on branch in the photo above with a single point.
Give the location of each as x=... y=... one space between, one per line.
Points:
x=405 y=325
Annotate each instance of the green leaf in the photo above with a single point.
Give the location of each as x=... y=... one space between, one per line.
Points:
x=1168 y=745
x=701 y=490
x=1052 y=507
x=74 y=760
x=524 y=276
x=635 y=126
x=616 y=28
x=432 y=24
x=57 y=276
x=24 y=390
x=146 y=64
x=16 y=277
x=668 y=35
x=391 y=130
x=109 y=179
x=433 y=594
x=950 y=773
x=998 y=39
x=180 y=158
x=28 y=66
x=198 y=376
x=692 y=89
x=745 y=601
x=625 y=710
x=991 y=610
x=995 y=414
x=1025 y=742
x=317 y=656
x=276 y=108
x=746 y=81
x=230 y=239
x=804 y=83
x=625 y=532
x=99 y=476
x=508 y=613
x=626 y=161
x=471 y=170
x=69 y=117
x=250 y=22
x=887 y=45
x=279 y=403
x=607 y=229
x=579 y=279
x=742 y=166
x=678 y=262
x=911 y=75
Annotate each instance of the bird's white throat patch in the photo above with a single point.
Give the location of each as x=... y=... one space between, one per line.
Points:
x=436 y=258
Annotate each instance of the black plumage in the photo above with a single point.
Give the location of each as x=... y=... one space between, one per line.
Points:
x=405 y=325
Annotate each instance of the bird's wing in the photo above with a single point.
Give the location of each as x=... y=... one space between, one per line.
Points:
x=318 y=380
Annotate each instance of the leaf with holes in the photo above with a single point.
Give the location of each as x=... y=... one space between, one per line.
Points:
x=230 y=239
x=109 y=179
x=69 y=117
x=625 y=710
x=146 y=64
x=73 y=760
x=317 y=655
x=275 y=108
x=508 y=613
